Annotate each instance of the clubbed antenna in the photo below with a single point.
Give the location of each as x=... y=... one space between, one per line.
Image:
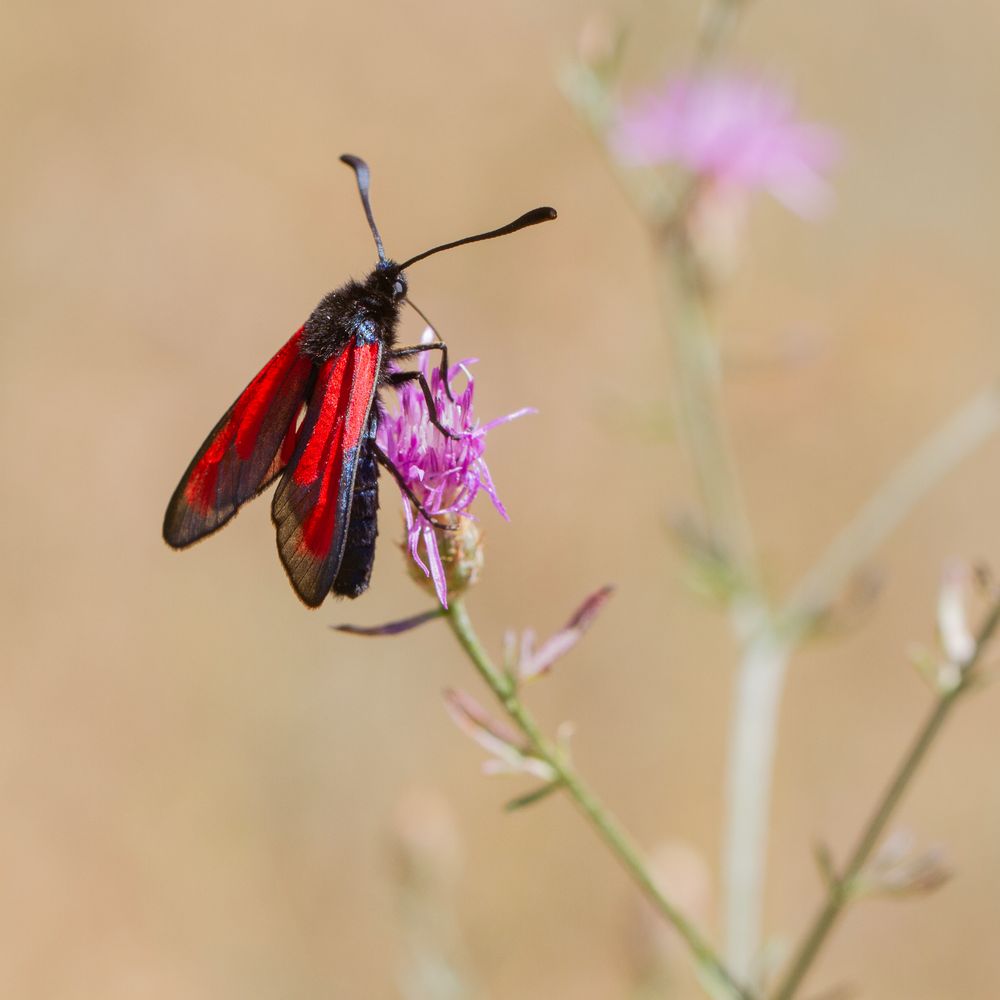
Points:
x=532 y=218
x=362 y=174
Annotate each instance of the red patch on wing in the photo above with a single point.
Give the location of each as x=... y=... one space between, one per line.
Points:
x=312 y=504
x=248 y=447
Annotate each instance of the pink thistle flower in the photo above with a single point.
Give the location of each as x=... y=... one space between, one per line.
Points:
x=445 y=474
x=737 y=133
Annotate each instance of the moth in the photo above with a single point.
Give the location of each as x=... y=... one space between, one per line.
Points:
x=309 y=420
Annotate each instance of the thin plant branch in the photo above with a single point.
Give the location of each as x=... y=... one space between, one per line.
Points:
x=765 y=656
x=701 y=416
x=840 y=890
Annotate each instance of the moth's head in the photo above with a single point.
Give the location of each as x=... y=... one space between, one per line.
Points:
x=388 y=280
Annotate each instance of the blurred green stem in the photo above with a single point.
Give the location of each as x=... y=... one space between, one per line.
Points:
x=753 y=733
x=763 y=654
x=840 y=890
x=606 y=826
x=719 y=18
x=700 y=413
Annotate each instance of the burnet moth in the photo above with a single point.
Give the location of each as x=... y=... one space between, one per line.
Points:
x=310 y=417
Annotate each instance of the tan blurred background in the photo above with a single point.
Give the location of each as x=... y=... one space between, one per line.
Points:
x=199 y=780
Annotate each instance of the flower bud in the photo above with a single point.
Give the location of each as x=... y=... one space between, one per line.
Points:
x=460 y=552
x=896 y=869
x=509 y=751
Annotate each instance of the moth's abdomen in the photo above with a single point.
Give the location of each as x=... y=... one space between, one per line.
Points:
x=359 y=550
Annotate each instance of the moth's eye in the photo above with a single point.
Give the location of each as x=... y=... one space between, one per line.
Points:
x=399 y=288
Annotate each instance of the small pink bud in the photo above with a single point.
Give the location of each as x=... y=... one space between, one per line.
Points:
x=896 y=870
x=535 y=662
x=509 y=753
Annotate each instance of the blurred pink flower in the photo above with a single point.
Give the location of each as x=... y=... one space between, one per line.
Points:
x=736 y=132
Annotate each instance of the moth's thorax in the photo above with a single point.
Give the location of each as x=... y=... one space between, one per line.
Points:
x=366 y=311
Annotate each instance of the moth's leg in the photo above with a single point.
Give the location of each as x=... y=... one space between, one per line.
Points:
x=399 y=378
x=439 y=341
x=440 y=345
x=383 y=459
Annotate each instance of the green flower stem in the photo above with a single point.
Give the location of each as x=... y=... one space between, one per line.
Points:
x=840 y=891
x=618 y=842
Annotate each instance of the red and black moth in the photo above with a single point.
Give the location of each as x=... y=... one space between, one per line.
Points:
x=310 y=417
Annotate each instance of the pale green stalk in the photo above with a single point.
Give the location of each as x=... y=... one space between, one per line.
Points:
x=753 y=736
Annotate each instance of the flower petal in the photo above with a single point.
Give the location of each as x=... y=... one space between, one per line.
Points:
x=392 y=628
x=437 y=567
